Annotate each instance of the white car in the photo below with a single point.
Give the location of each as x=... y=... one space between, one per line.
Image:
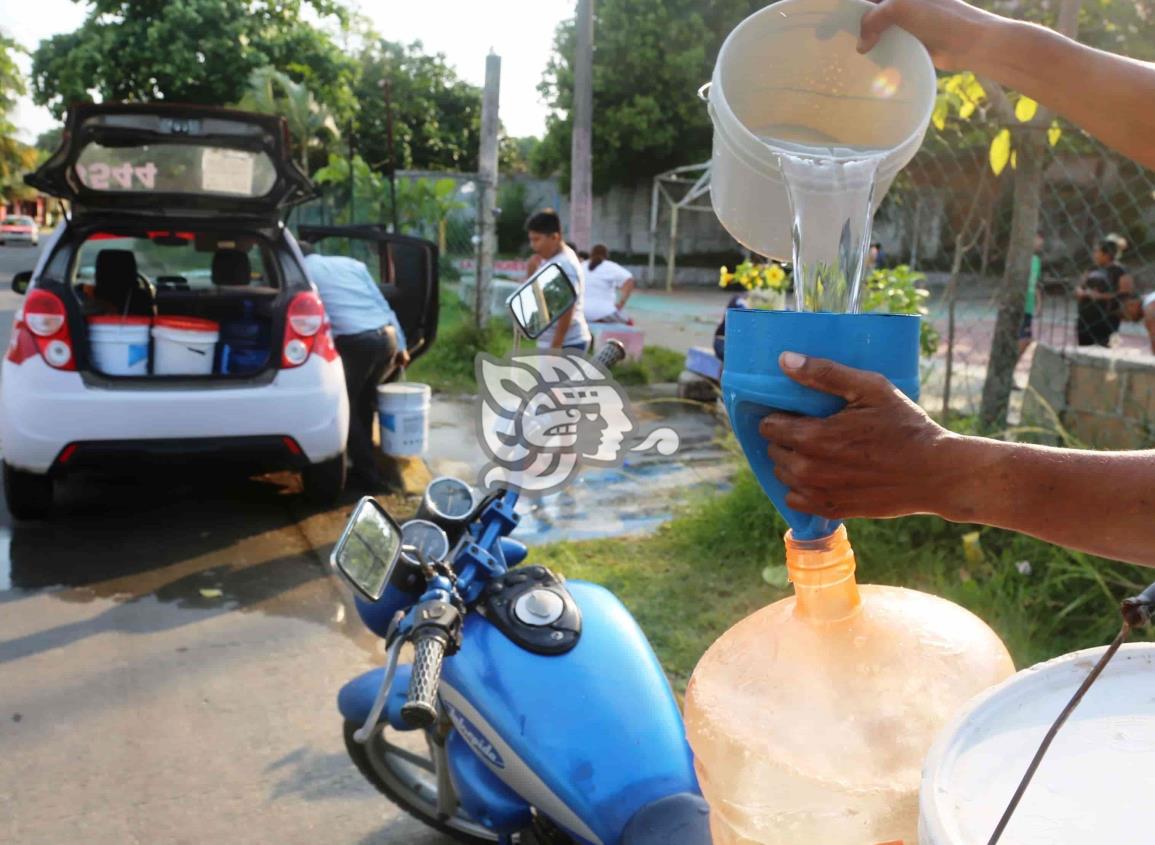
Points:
x=170 y=316
x=19 y=229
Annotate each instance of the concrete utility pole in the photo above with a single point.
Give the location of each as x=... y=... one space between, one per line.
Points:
x=487 y=198
x=581 y=168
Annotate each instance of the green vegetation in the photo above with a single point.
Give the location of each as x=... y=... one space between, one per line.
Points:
x=658 y=364
x=723 y=558
x=448 y=366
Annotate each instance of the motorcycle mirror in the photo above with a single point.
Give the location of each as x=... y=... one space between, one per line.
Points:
x=542 y=300
x=368 y=549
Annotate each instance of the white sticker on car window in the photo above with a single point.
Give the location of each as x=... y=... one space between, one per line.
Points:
x=227 y=172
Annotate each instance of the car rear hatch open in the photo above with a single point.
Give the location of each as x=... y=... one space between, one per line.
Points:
x=173 y=159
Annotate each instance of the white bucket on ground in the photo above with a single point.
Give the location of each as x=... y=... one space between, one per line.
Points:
x=403 y=412
x=184 y=346
x=792 y=71
x=119 y=345
x=1093 y=785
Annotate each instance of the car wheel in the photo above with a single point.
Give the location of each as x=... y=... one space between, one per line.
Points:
x=29 y=494
x=324 y=482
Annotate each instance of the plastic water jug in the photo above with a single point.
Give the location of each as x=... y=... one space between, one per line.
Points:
x=790 y=73
x=810 y=719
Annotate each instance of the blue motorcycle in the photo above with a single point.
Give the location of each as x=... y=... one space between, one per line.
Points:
x=534 y=710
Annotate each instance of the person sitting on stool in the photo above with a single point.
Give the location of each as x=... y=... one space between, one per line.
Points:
x=371 y=344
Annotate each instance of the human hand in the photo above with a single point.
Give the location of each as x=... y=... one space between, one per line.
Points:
x=1081 y=292
x=952 y=30
x=401 y=359
x=881 y=456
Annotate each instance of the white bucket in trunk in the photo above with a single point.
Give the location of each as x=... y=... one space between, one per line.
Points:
x=403 y=411
x=119 y=345
x=1093 y=785
x=184 y=346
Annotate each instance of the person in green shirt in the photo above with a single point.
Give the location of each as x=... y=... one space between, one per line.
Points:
x=1026 y=331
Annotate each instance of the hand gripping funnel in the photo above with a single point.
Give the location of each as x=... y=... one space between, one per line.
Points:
x=753 y=385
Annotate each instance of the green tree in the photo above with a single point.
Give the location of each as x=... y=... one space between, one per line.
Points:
x=15 y=158
x=436 y=115
x=193 y=51
x=273 y=92
x=650 y=58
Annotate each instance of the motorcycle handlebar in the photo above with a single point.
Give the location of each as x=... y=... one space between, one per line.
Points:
x=420 y=708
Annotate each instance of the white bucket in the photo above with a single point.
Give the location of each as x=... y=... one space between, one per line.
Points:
x=794 y=64
x=1093 y=785
x=184 y=346
x=119 y=345
x=403 y=411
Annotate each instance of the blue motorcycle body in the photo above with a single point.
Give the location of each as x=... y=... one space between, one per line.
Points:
x=588 y=737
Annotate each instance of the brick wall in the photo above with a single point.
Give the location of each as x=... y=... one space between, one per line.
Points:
x=1104 y=398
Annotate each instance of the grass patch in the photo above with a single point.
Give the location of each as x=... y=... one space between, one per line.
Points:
x=658 y=364
x=448 y=365
x=702 y=572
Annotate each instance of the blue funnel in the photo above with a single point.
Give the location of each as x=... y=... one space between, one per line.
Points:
x=753 y=385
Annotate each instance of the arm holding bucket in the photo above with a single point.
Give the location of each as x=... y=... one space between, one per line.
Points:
x=1105 y=94
x=882 y=456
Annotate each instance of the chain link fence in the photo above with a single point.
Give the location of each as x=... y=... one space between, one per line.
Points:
x=949 y=216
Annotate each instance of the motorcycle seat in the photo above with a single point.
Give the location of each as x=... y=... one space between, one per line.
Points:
x=682 y=819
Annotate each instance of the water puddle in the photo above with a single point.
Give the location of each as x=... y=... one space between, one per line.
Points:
x=632 y=499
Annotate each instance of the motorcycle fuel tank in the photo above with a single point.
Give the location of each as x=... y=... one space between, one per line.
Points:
x=588 y=737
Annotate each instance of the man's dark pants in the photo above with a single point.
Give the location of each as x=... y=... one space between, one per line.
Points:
x=368 y=360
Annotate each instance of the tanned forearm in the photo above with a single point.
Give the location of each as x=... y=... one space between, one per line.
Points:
x=1111 y=97
x=1097 y=502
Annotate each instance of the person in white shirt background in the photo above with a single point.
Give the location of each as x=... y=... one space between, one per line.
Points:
x=608 y=287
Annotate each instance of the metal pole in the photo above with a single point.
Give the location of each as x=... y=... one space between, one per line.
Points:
x=655 y=198
x=487 y=176
x=387 y=87
x=581 y=168
x=673 y=253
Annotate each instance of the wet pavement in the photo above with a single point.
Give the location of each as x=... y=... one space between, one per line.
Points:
x=171 y=646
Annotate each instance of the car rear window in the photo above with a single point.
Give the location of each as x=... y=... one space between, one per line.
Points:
x=17 y=221
x=190 y=169
x=183 y=260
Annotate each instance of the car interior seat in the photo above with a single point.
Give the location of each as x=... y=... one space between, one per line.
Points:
x=117 y=286
x=231 y=268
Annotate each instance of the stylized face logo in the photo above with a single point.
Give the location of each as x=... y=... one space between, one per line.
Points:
x=545 y=414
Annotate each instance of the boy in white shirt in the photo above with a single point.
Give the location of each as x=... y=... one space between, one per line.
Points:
x=608 y=287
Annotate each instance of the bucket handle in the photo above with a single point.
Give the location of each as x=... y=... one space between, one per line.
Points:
x=704 y=92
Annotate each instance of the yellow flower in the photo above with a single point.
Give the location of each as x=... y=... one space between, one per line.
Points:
x=775 y=275
x=725 y=277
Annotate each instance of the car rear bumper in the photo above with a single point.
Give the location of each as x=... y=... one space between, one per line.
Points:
x=44 y=412
x=25 y=237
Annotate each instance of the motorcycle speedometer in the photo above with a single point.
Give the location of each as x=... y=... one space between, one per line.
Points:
x=448 y=500
x=424 y=535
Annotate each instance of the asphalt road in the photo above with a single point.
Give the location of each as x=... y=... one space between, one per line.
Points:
x=170 y=652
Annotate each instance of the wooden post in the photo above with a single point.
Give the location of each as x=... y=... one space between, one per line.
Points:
x=487 y=198
x=581 y=167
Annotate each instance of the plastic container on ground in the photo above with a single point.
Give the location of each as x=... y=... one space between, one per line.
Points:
x=791 y=73
x=119 y=345
x=184 y=346
x=403 y=411
x=810 y=719
x=1094 y=784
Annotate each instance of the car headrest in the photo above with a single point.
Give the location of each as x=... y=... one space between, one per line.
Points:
x=231 y=267
x=115 y=263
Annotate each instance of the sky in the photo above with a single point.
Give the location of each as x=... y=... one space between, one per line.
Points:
x=520 y=31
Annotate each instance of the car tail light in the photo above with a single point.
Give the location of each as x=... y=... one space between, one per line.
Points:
x=305 y=327
x=43 y=324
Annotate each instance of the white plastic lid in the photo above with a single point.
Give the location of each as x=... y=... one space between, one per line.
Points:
x=1093 y=786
